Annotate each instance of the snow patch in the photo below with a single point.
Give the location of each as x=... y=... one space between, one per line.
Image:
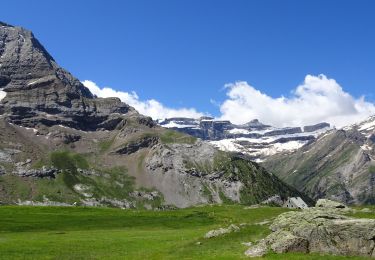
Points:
x=367 y=126
x=366 y=147
x=176 y=125
x=227 y=145
x=282 y=147
x=2 y=94
x=239 y=131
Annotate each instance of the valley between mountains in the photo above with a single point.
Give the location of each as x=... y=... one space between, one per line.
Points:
x=84 y=177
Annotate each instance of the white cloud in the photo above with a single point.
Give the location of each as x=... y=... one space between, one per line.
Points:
x=2 y=94
x=152 y=108
x=318 y=99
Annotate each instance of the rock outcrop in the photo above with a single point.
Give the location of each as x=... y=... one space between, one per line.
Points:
x=324 y=203
x=319 y=230
x=221 y=231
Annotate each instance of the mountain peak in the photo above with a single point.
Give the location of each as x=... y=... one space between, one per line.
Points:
x=39 y=91
x=25 y=62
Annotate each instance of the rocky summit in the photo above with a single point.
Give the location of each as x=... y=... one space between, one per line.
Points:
x=61 y=145
x=39 y=91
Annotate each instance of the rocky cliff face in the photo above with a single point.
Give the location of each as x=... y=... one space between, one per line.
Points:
x=39 y=91
x=255 y=139
x=338 y=165
x=61 y=145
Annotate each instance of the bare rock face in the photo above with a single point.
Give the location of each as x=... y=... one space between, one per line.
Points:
x=39 y=91
x=321 y=230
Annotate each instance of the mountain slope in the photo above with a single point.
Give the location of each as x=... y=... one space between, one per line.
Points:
x=60 y=145
x=338 y=165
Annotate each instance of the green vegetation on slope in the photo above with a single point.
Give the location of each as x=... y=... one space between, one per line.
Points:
x=258 y=183
x=172 y=136
x=77 y=181
x=105 y=233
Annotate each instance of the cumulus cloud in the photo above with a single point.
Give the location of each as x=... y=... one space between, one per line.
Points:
x=317 y=99
x=152 y=108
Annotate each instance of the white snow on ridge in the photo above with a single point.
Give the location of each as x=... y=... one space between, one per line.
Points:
x=267 y=150
x=176 y=125
x=2 y=94
x=282 y=147
x=239 y=131
x=227 y=145
x=367 y=126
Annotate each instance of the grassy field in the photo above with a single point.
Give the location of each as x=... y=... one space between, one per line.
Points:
x=108 y=233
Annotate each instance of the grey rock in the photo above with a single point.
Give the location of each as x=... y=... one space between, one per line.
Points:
x=320 y=230
x=45 y=172
x=222 y=231
x=312 y=128
x=6 y=154
x=2 y=170
x=258 y=250
x=138 y=144
x=325 y=203
x=273 y=200
x=145 y=195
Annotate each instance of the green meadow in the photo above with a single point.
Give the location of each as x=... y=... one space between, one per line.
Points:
x=110 y=233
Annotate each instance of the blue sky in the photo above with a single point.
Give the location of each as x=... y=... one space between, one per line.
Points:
x=182 y=53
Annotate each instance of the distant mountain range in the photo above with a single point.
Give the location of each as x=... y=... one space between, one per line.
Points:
x=254 y=138
x=318 y=160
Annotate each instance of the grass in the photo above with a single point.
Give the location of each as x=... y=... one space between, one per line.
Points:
x=172 y=136
x=65 y=160
x=104 y=145
x=108 y=233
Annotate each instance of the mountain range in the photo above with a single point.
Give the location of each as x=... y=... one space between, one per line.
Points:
x=254 y=138
x=318 y=160
x=61 y=145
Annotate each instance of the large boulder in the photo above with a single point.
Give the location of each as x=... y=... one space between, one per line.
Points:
x=319 y=230
x=324 y=203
